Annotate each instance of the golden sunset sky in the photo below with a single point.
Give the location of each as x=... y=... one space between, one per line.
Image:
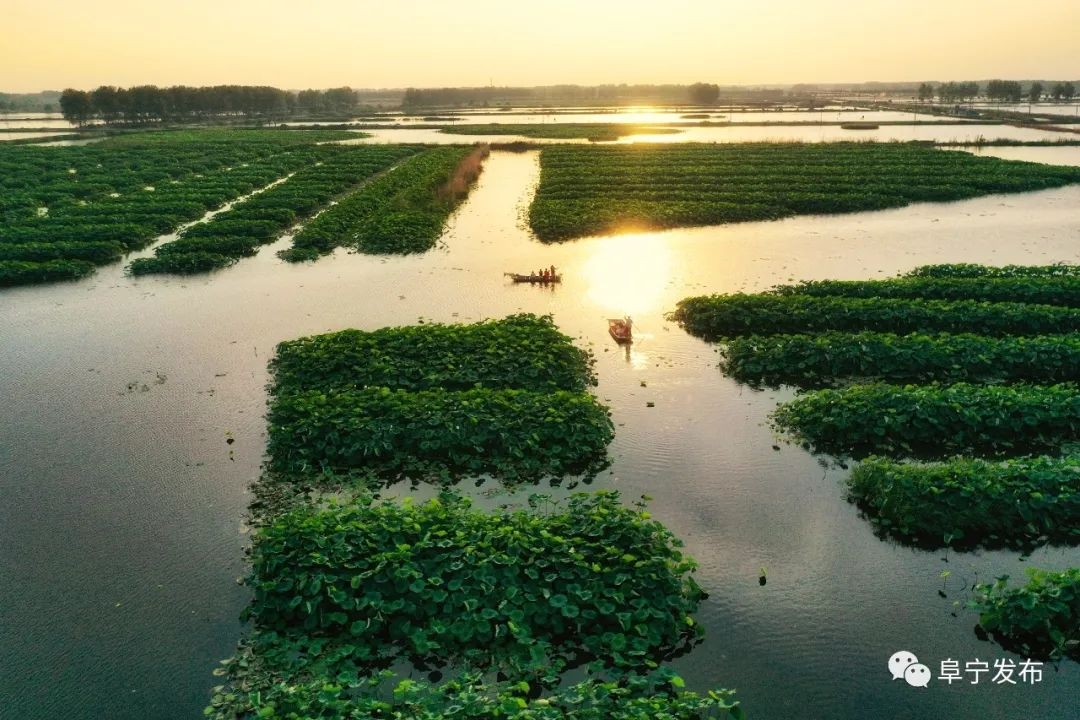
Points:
x=53 y=44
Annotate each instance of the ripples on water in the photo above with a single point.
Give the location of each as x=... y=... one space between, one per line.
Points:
x=121 y=527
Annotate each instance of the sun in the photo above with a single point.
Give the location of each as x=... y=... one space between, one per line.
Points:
x=626 y=274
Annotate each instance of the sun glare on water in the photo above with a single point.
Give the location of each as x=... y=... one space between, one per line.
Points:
x=626 y=275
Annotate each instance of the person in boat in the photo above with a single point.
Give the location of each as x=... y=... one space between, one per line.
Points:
x=553 y=275
x=547 y=275
x=532 y=275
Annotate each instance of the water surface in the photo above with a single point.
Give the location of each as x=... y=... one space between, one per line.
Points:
x=970 y=133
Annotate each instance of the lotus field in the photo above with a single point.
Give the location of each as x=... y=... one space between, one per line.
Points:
x=504 y=601
x=1038 y=619
x=973 y=368
x=1063 y=291
x=66 y=210
x=521 y=351
x=264 y=216
x=488 y=404
x=586 y=190
x=837 y=358
x=401 y=212
x=525 y=592
x=966 y=502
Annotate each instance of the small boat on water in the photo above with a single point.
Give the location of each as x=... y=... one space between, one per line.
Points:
x=859 y=126
x=534 y=278
x=620 y=329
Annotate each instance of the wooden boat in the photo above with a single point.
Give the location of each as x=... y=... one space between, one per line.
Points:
x=620 y=329
x=519 y=278
x=859 y=126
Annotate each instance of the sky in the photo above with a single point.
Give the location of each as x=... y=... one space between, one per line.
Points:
x=295 y=44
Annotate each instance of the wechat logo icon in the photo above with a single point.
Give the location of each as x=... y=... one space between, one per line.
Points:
x=904 y=665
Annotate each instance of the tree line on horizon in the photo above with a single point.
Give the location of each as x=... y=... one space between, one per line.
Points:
x=151 y=104
x=586 y=95
x=1004 y=90
x=147 y=104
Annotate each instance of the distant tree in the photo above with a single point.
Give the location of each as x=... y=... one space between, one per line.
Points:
x=341 y=99
x=926 y=91
x=1008 y=90
x=412 y=98
x=145 y=103
x=310 y=100
x=1036 y=91
x=949 y=92
x=106 y=101
x=76 y=106
x=957 y=91
x=704 y=93
x=1067 y=91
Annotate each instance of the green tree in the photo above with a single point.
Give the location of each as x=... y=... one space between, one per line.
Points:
x=1036 y=91
x=341 y=99
x=1008 y=90
x=76 y=106
x=106 y=100
x=926 y=91
x=704 y=93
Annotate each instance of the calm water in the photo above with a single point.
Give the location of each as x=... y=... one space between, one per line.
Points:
x=651 y=116
x=1054 y=108
x=753 y=133
x=8 y=136
x=121 y=533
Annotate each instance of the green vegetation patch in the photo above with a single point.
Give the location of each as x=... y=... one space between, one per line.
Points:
x=1061 y=290
x=224 y=135
x=521 y=351
x=635 y=698
x=439 y=402
x=587 y=190
x=94 y=252
x=970 y=270
x=995 y=333
x=969 y=502
x=933 y=420
x=346 y=586
x=597 y=132
x=525 y=591
x=266 y=215
x=18 y=272
x=837 y=358
x=1040 y=619
x=724 y=316
x=439 y=435
x=88 y=204
x=188 y=263
x=403 y=211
